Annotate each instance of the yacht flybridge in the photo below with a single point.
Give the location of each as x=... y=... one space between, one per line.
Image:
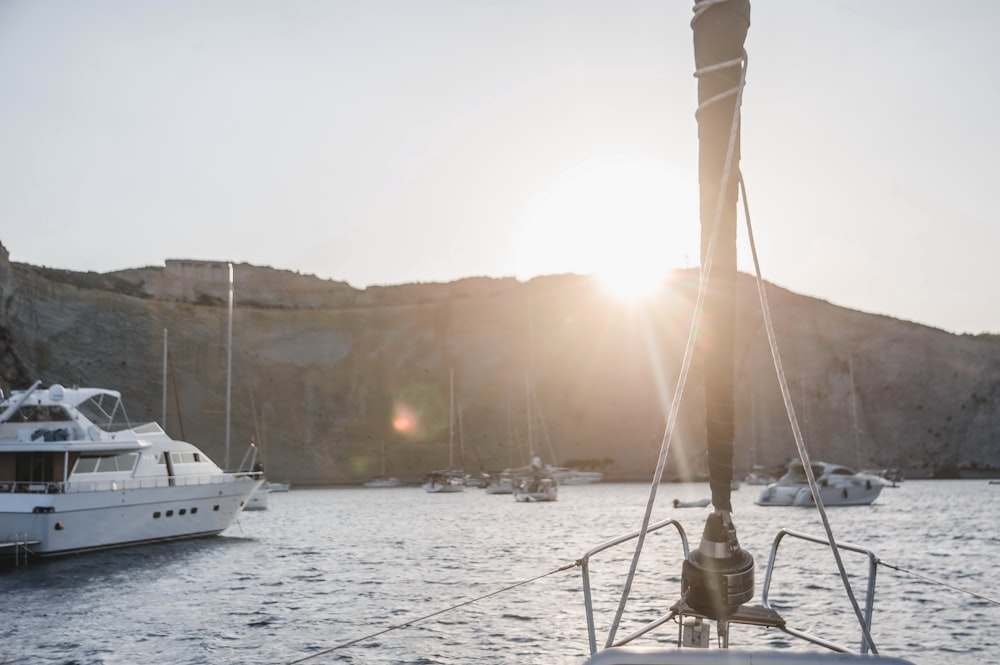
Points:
x=76 y=476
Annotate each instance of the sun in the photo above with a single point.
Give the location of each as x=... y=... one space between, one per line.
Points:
x=626 y=220
x=631 y=285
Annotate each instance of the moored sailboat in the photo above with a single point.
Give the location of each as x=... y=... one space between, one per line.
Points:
x=382 y=481
x=536 y=486
x=535 y=483
x=500 y=483
x=446 y=481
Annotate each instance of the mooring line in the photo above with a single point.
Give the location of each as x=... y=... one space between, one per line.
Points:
x=941 y=582
x=433 y=614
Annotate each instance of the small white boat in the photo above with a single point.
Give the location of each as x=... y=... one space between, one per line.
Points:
x=480 y=480
x=536 y=489
x=444 y=482
x=383 y=482
x=97 y=481
x=501 y=483
x=759 y=476
x=838 y=486
x=700 y=503
x=258 y=500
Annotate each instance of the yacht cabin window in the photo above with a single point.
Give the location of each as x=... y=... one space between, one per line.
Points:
x=40 y=413
x=106 y=463
x=105 y=411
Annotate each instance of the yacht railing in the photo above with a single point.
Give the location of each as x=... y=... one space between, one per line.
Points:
x=584 y=563
x=869 y=596
x=118 y=484
x=750 y=618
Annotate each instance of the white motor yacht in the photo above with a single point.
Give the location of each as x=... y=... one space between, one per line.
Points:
x=838 y=486
x=76 y=476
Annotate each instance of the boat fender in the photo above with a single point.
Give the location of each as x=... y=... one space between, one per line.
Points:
x=868 y=484
x=844 y=492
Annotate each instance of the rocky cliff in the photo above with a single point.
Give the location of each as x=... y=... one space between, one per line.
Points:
x=324 y=374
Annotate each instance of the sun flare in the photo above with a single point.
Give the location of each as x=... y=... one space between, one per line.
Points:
x=623 y=219
x=630 y=285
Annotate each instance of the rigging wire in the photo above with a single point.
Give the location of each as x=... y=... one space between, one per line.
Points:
x=793 y=421
x=407 y=624
x=928 y=578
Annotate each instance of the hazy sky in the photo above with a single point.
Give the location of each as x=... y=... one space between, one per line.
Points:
x=396 y=141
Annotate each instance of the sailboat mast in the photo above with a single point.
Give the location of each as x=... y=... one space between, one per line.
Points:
x=720 y=31
x=718 y=577
x=451 y=417
x=163 y=412
x=528 y=417
x=229 y=363
x=854 y=410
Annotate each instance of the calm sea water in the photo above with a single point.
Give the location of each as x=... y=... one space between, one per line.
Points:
x=324 y=567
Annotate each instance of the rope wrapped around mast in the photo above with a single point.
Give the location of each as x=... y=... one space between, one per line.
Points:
x=720 y=29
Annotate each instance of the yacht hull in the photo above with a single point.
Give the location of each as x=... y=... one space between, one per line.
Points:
x=443 y=488
x=534 y=497
x=66 y=523
x=856 y=491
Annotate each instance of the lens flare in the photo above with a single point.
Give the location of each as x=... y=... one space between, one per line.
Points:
x=406 y=420
x=419 y=412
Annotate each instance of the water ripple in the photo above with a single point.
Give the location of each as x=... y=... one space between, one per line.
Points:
x=290 y=581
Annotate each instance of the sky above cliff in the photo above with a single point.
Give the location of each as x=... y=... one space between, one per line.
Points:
x=398 y=141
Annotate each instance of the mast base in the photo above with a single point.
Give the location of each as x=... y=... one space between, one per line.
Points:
x=718 y=577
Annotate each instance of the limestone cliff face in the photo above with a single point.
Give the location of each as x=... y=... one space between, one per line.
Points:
x=325 y=374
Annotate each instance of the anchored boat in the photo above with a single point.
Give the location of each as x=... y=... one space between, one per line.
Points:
x=838 y=485
x=450 y=480
x=75 y=475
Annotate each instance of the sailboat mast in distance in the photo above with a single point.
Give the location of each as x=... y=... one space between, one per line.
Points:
x=163 y=411
x=229 y=364
x=451 y=417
